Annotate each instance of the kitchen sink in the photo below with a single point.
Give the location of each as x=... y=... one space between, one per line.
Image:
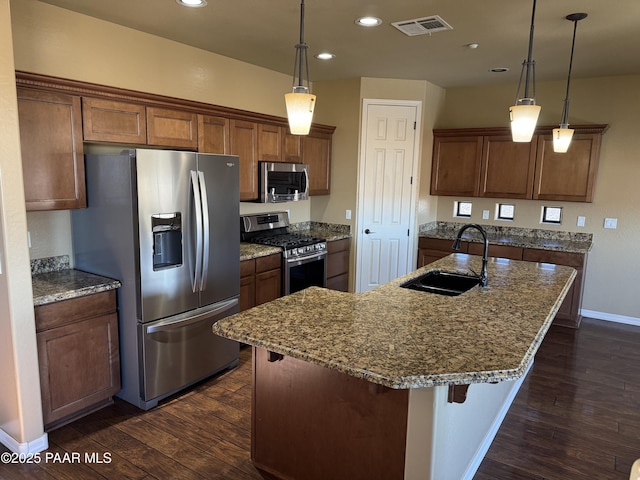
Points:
x=442 y=283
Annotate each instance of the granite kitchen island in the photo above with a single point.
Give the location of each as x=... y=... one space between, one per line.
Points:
x=393 y=383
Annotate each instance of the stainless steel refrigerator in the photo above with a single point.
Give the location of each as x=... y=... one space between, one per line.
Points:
x=164 y=223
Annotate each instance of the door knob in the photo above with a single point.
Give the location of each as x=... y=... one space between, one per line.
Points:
x=367 y=231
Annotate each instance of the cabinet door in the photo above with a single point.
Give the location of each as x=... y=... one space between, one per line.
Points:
x=79 y=366
x=507 y=167
x=316 y=152
x=567 y=176
x=268 y=286
x=269 y=143
x=498 y=251
x=172 y=128
x=291 y=147
x=213 y=135
x=247 y=284
x=338 y=265
x=456 y=166
x=111 y=121
x=52 y=152
x=244 y=143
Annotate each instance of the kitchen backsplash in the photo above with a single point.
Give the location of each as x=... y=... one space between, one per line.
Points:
x=50 y=264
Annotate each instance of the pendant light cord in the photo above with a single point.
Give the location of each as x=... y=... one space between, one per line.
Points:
x=565 y=108
x=530 y=62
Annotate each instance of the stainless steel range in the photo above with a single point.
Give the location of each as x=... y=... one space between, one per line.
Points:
x=304 y=257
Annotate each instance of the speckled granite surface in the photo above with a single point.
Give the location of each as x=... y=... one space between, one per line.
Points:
x=65 y=284
x=513 y=236
x=402 y=338
x=49 y=264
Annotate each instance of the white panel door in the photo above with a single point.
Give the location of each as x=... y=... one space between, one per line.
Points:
x=385 y=213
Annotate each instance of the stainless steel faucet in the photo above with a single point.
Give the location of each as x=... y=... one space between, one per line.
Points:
x=484 y=277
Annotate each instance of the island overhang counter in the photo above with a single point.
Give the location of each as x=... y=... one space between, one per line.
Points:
x=360 y=385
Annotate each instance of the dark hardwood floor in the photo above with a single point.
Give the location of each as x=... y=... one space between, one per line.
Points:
x=577 y=416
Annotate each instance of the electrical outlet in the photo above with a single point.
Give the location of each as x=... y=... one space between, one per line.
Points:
x=581 y=221
x=348 y=215
x=610 y=223
x=485 y=214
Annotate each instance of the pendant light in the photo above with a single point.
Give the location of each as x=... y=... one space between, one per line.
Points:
x=524 y=114
x=562 y=135
x=300 y=103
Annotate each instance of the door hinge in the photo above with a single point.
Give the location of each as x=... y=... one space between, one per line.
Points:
x=411 y=181
x=407 y=232
x=415 y=125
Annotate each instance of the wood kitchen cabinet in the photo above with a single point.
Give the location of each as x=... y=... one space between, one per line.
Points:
x=432 y=249
x=78 y=355
x=269 y=143
x=214 y=134
x=316 y=152
x=113 y=121
x=479 y=162
x=338 y=264
x=172 y=128
x=569 y=313
x=291 y=146
x=52 y=150
x=244 y=143
x=567 y=176
x=260 y=280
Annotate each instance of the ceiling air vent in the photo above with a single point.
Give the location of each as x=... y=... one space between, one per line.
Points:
x=420 y=26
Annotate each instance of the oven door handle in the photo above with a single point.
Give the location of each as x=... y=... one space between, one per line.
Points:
x=292 y=262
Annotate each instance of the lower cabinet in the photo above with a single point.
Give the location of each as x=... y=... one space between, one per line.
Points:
x=432 y=249
x=338 y=264
x=78 y=356
x=260 y=280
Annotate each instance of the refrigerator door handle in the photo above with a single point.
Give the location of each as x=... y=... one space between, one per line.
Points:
x=184 y=319
x=205 y=231
x=197 y=202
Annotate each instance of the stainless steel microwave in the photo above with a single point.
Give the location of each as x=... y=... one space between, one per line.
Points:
x=283 y=182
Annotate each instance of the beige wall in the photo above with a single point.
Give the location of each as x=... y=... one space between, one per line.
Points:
x=20 y=408
x=612 y=272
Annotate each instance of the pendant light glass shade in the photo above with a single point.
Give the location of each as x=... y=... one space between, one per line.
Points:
x=524 y=114
x=523 y=121
x=300 y=107
x=562 y=136
x=300 y=102
x=562 y=139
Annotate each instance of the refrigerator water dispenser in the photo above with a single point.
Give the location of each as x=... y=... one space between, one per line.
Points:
x=167 y=240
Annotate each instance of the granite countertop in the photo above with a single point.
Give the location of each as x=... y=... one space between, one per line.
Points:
x=402 y=338
x=60 y=285
x=516 y=237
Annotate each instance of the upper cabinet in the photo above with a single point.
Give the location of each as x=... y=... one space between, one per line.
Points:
x=214 y=135
x=316 y=152
x=113 y=121
x=52 y=151
x=486 y=163
x=244 y=144
x=57 y=115
x=172 y=128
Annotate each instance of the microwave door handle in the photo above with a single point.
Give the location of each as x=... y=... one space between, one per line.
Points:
x=205 y=231
x=306 y=180
x=198 y=214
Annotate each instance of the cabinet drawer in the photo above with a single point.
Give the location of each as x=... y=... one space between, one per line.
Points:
x=69 y=311
x=443 y=245
x=271 y=262
x=338 y=245
x=247 y=267
x=500 y=251
x=575 y=260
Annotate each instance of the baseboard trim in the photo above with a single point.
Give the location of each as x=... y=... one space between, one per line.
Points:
x=611 y=317
x=34 y=446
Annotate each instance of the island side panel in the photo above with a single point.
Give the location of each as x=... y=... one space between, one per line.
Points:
x=310 y=422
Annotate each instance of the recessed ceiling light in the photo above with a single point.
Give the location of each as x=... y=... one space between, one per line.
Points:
x=192 y=3
x=499 y=70
x=325 y=56
x=368 y=21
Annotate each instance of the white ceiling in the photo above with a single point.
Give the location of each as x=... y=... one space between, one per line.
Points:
x=264 y=32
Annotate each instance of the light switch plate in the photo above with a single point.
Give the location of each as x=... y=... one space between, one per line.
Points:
x=610 y=223
x=485 y=214
x=348 y=215
x=581 y=221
